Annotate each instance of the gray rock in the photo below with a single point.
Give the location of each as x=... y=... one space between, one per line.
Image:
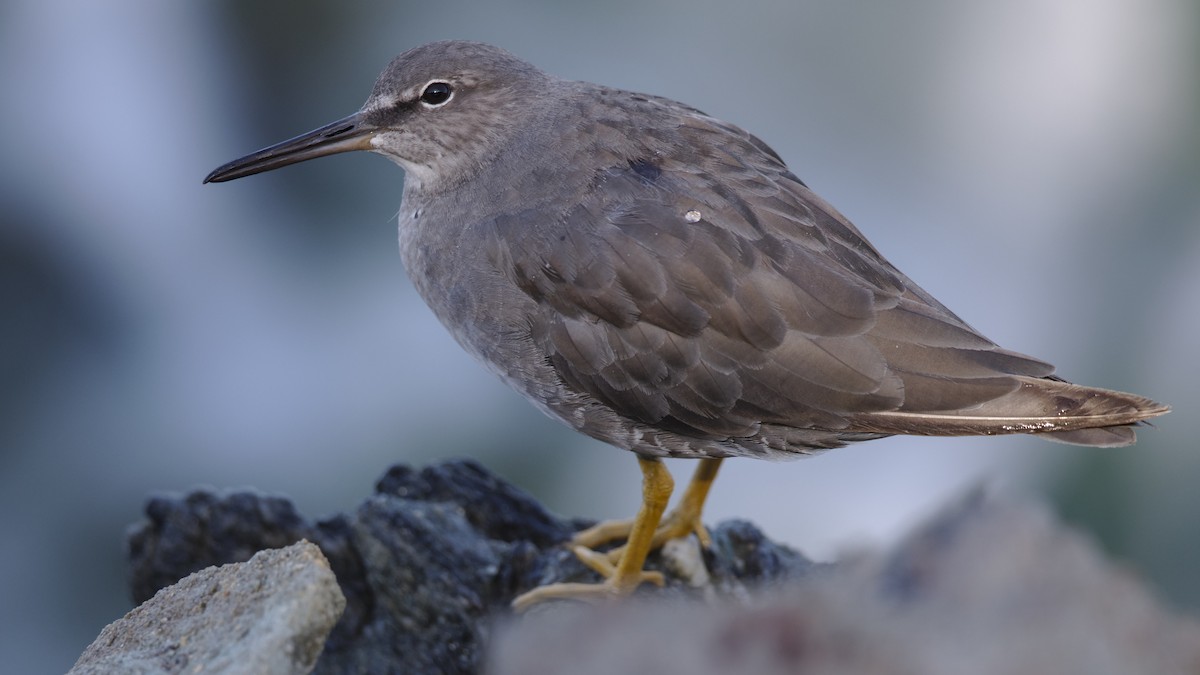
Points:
x=270 y=615
x=426 y=563
x=987 y=588
x=430 y=562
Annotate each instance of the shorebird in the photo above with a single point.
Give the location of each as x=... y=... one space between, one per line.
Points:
x=660 y=280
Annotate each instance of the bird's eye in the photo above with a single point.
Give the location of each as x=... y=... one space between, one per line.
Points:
x=436 y=93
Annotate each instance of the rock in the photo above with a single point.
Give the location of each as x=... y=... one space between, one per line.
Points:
x=425 y=564
x=268 y=615
x=987 y=588
x=429 y=564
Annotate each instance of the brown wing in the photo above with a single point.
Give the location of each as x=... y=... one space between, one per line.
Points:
x=718 y=298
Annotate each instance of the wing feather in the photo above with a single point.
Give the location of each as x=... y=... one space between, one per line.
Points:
x=718 y=298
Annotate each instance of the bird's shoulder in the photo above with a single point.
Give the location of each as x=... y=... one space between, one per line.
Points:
x=665 y=214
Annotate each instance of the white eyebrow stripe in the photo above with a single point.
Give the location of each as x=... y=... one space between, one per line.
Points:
x=382 y=102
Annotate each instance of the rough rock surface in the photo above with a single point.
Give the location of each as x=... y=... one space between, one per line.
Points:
x=430 y=562
x=427 y=562
x=269 y=615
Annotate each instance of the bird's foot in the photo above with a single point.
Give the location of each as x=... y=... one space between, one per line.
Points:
x=606 y=563
x=680 y=522
x=615 y=585
x=606 y=566
x=624 y=573
x=622 y=566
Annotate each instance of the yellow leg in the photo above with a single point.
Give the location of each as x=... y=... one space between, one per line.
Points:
x=683 y=520
x=627 y=574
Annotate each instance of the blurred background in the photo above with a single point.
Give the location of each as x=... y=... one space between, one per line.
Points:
x=1034 y=165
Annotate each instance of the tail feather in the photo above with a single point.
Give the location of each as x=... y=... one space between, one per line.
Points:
x=1103 y=437
x=1065 y=412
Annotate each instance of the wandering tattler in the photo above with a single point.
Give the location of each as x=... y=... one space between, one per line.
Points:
x=658 y=279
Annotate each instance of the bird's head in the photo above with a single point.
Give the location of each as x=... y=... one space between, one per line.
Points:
x=440 y=111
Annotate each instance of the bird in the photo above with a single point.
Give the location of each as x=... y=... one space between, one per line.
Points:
x=660 y=280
